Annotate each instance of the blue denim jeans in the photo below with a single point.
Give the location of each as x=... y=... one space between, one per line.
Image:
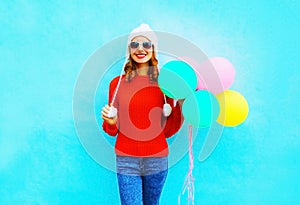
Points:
x=141 y=180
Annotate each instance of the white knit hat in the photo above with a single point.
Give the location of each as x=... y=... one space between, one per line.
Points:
x=142 y=30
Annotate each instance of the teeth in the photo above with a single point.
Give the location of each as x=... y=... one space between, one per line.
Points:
x=141 y=55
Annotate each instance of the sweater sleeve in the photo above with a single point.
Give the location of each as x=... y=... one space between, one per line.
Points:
x=174 y=121
x=111 y=130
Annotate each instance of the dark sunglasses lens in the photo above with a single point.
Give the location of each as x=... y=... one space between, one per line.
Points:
x=134 y=44
x=147 y=45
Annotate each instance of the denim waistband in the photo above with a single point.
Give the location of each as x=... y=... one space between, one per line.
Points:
x=141 y=166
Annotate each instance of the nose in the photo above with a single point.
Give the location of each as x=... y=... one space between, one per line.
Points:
x=140 y=47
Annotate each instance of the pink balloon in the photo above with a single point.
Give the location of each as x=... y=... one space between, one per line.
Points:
x=196 y=66
x=214 y=74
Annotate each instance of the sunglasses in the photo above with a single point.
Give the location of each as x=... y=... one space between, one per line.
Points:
x=135 y=45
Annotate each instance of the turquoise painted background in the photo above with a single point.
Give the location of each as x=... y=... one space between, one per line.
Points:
x=43 y=46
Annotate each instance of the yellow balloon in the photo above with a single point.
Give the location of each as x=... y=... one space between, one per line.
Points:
x=233 y=108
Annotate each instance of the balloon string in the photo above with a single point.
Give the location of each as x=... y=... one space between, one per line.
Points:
x=189 y=179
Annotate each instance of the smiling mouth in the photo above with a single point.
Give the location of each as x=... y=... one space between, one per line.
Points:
x=140 y=56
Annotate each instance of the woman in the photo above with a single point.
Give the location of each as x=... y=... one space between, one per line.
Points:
x=142 y=118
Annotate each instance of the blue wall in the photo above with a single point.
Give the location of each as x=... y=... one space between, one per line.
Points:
x=43 y=46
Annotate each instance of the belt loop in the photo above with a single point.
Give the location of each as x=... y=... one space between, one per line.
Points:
x=141 y=164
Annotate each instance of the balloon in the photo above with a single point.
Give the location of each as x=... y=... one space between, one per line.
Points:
x=177 y=79
x=200 y=109
x=215 y=74
x=233 y=108
x=196 y=66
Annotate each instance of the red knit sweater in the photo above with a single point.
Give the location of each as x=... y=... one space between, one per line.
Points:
x=142 y=129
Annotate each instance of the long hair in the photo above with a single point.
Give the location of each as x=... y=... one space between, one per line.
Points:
x=131 y=68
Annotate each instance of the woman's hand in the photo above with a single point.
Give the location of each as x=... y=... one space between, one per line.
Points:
x=109 y=114
x=180 y=102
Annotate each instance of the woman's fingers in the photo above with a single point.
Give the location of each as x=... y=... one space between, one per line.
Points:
x=109 y=120
x=103 y=113
x=105 y=118
x=105 y=110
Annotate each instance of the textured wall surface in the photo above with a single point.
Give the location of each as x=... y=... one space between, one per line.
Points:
x=43 y=46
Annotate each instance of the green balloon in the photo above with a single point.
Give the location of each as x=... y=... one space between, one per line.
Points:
x=201 y=109
x=177 y=79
